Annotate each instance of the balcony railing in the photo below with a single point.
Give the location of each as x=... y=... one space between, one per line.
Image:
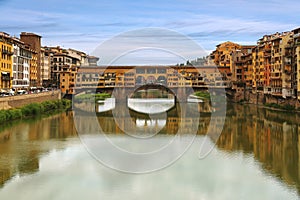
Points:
x=4 y=51
x=288 y=62
x=288 y=80
x=296 y=35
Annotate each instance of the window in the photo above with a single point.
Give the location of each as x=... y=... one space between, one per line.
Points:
x=140 y=71
x=161 y=71
x=151 y=71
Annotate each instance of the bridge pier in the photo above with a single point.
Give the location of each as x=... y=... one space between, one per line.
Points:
x=183 y=93
x=120 y=95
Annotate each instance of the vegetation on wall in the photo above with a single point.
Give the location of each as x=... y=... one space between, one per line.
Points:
x=34 y=109
x=88 y=97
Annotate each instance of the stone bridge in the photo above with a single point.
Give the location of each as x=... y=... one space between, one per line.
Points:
x=181 y=94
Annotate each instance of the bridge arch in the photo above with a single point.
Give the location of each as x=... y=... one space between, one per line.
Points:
x=154 y=86
x=151 y=80
x=140 y=80
x=162 y=80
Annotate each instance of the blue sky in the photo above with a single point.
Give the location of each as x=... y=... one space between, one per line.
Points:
x=84 y=24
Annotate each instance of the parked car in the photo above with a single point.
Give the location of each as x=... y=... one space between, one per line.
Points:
x=22 y=92
x=6 y=92
x=11 y=92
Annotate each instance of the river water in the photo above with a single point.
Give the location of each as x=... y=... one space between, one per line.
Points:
x=255 y=157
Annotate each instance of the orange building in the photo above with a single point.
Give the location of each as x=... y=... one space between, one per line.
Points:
x=222 y=54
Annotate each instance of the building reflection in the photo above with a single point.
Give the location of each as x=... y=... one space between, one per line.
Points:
x=22 y=144
x=271 y=137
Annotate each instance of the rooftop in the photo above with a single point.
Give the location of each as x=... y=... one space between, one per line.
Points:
x=29 y=34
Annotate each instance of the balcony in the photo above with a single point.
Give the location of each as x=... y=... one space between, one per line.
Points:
x=288 y=80
x=288 y=71
x=296 y=35
x=289 y=46
x=288 y=54
x=5 y=78
x=276 y=75
x=4 y=51
x=288 y=63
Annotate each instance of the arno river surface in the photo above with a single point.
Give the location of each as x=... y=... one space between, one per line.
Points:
x=255 y=157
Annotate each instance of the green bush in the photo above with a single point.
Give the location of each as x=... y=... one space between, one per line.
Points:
x=66 y=103
x=31 y=109
x=8 y=115
x=204 y=95
x=26 y=111
x=34 y=109
x=91 y=97
x=287 y=107
x=14 y=114
x=2 y=116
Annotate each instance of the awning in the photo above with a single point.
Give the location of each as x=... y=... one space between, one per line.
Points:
x=4 y=73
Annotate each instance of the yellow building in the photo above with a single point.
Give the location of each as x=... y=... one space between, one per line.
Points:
x=68 y=79
x=5 y=61
x=240 y=65
x=33 y=72
x=280 y=79
x=248 y=70
x=295 y=62
x=260 y=68
x=222 y=54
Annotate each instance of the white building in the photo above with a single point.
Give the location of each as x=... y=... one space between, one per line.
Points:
x=21 y=64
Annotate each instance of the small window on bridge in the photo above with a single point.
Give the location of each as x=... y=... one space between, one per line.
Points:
x=151 y=71
x=140 y=71
x=161 y=71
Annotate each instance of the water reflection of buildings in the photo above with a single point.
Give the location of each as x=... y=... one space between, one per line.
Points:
x=271 y=136
x=108 y=123
x=22 y=144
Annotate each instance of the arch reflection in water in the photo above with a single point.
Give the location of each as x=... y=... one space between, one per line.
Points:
x=150 y=106
x=156 y=124
x=106 y=105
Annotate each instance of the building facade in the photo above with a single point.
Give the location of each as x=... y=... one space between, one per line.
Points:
x=46 y=62
x=295 y=61
x=34 y=41
x=269 y=67
x=21 y=64
x=6 y=61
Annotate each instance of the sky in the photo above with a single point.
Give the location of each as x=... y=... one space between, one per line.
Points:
x=86 y=24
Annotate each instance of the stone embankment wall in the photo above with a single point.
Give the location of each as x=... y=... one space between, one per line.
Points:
x=261 y=99
x=22 y=100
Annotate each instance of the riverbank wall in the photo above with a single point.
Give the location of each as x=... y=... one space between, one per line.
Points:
x=25 y=99
x=259 y=98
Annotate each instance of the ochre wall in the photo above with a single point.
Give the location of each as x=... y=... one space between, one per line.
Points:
x=21 y=100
